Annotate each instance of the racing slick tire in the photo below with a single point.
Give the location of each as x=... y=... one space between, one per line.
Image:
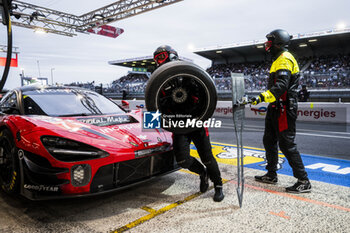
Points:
x=9 y=163
x=181 y=90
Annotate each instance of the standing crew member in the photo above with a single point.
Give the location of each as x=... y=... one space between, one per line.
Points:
x=200 y=138
x=303 y=94
x=282 y=112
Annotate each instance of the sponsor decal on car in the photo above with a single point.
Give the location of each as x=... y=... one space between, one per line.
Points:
x=63 y=90
x=41 y=188
x=108 y=120
x=70 y=125
x=120 y=127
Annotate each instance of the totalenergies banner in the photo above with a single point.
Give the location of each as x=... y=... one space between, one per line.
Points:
x=316 y=112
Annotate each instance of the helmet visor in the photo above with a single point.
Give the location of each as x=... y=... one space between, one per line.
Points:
x=160 y=58
x=268 y=45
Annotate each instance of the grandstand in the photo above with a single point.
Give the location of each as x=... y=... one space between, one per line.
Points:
x=324 y=60
x=324 y=43
x=332 y=71
x=134 y=82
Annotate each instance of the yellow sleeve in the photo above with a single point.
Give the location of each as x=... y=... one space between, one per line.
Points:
x=283 y=63
x=268 y=97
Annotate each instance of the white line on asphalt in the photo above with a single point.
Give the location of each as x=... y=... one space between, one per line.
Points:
x=245 y=128
x=298 y=133
x=298 y=129
x=320 y=131
x=322 y=135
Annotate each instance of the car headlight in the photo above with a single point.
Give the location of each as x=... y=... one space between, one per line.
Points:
x=70 y=151
x=81 y=175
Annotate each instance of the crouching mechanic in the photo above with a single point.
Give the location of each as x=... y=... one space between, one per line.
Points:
x=282 y=112
x=200 y=138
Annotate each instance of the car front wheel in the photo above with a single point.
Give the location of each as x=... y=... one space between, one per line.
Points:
x=9 y=164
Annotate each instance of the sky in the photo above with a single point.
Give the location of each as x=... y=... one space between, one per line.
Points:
x=186 y=25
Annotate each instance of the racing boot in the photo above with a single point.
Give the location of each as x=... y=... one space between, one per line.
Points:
x=301 y=186
x=203 y=187
x=219 y=195
x=269 y=178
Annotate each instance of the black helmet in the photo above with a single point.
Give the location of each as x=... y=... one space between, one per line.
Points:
x=164 y=54
x=279 y=38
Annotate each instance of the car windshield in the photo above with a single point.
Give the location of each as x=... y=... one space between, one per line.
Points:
x=67 y=102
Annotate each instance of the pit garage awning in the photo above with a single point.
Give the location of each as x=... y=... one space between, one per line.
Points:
x=142 y=64
x=331 y=42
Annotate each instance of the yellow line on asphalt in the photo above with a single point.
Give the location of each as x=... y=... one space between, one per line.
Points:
x=245 y=147
x=187 y=171
x=149 y=209
x=154 y=213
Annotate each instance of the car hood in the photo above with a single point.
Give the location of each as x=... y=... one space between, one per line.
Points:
x=122 y=129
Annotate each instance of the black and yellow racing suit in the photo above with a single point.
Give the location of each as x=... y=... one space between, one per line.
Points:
x=282 y=114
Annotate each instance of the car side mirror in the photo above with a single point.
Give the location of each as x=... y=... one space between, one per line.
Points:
x=125 y=103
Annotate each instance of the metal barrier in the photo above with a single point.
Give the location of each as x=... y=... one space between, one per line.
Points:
x=332 y=95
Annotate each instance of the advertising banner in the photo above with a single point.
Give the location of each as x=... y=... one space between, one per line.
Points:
x=315 y=112
x=14 y=61
x=309 y=111
x=106 y=30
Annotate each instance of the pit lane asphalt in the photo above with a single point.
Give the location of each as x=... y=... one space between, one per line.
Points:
x=321 y=139
x=173 y=204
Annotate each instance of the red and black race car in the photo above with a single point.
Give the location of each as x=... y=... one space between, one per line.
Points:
x=64 y=142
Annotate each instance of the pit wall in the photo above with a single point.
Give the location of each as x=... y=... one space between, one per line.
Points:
x=308 y=111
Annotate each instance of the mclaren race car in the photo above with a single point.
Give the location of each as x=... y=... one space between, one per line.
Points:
x=64 y=142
